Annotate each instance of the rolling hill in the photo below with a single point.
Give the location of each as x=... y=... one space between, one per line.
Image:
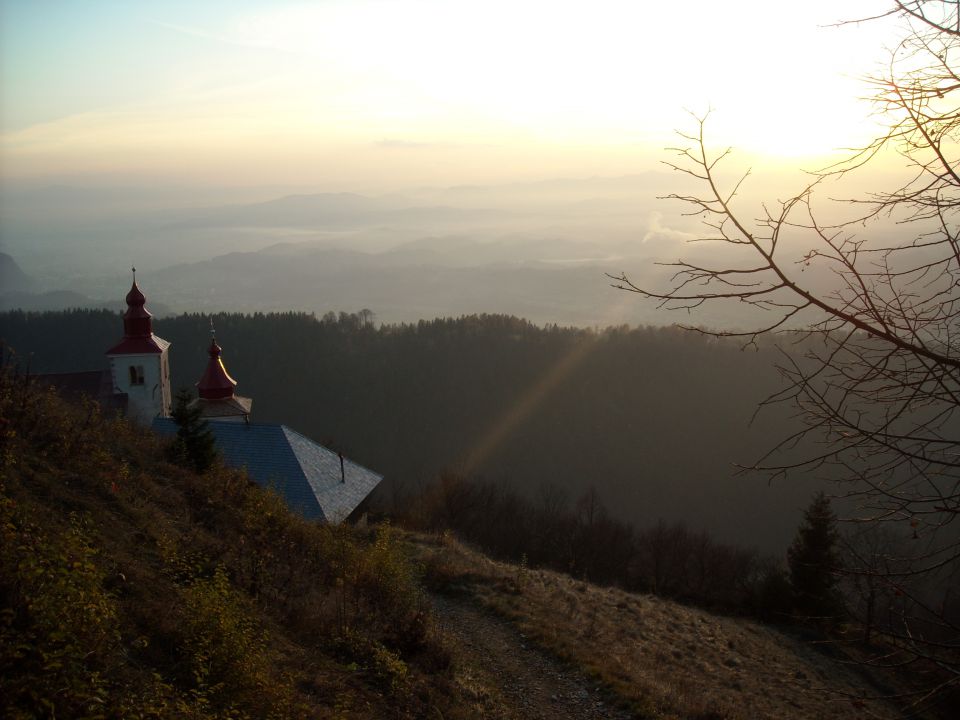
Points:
x=134 y=588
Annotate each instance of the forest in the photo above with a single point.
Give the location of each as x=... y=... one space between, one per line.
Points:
x=654 y=420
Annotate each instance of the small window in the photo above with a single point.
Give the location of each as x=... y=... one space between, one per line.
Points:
x=136 y=374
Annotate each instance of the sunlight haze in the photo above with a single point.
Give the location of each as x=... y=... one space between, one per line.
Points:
x=371 y=95
x=418 y=158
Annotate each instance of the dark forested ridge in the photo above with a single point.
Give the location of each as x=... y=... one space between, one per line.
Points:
x=653 y=418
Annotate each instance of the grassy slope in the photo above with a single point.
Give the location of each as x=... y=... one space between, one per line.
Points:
x=658 y=658
x=133 y=588
x=130 y=587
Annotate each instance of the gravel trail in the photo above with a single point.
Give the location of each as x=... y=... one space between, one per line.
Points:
x=510 y=677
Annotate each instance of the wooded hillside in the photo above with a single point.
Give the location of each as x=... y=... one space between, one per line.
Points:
x=133 y=588
x=654 y=419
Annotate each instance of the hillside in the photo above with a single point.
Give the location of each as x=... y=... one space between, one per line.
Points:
x=131 y=588
x=653 y=657
x=134 y=588
x=654 y=419
x=12 y=278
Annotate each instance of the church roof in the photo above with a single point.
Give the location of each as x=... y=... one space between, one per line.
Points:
x=150 y=344
x=305 y=474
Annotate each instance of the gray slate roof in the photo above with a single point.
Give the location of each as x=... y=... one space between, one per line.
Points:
x=306 y=474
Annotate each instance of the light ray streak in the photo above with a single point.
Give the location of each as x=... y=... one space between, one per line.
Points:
x=527 y=402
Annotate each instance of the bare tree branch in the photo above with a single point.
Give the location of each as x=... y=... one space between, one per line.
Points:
x=871 y=366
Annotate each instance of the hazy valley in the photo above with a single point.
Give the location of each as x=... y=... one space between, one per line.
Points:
x=541 y=251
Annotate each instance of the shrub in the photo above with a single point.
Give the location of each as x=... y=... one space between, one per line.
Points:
x=225 y=646
x=58 y=628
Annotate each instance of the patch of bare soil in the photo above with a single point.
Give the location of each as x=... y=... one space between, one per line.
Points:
x=509 y=677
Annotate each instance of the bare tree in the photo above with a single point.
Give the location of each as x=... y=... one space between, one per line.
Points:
x=869 y=326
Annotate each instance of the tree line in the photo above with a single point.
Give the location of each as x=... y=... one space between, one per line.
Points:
x=653 y=418
x=581 y=538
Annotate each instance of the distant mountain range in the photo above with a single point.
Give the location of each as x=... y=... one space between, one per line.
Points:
x=538 y=250
x=12 y=278
x=64 y=230
x=544 y=280
x=19 y=291
x=325 y=210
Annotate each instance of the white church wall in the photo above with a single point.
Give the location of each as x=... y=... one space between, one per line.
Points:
x=151 y=397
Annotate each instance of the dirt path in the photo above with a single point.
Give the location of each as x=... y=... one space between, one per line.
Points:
x=508 y=677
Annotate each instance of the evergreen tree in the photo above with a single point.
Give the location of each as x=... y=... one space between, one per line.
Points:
x=814 y=561
x=194 y=446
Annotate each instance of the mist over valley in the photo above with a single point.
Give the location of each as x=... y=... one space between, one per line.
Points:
x=540 y=250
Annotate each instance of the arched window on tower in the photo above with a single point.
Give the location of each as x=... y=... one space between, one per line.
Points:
x=136 y=374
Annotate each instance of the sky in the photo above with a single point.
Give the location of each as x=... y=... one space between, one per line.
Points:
x=377 y=95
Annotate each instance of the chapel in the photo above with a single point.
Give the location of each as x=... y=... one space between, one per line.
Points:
x=314 y=481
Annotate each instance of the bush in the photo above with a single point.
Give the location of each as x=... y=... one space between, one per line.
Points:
x=58 y=628
x=226 y=648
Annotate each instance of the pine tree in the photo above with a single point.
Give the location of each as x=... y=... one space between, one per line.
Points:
x=194 y=446
x=814 y=561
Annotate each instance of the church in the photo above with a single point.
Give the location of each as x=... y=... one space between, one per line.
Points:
x=314 y=481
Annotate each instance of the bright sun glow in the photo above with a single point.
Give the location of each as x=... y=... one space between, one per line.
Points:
x=184 y=88
x=590 y=72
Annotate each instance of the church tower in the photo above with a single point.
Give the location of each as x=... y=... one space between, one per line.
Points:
x=140 y=363
x=217 y=399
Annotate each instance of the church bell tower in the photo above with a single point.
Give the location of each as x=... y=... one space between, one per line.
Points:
x=140 y=363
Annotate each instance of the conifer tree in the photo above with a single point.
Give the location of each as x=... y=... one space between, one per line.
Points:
x=814 y=561
x=194 y=446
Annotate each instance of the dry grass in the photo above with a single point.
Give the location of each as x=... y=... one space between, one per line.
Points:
x=661 y=659
x=130 y=587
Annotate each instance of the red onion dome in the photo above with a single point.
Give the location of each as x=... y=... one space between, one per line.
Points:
x=216 y=382
x=135 y=297
x=137 y=320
